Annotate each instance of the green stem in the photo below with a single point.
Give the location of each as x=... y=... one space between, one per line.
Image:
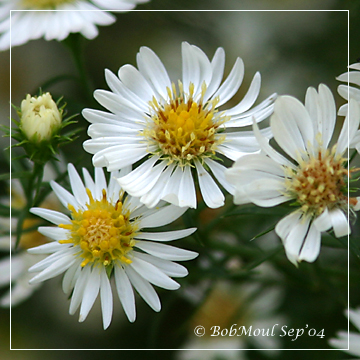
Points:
x=352 y=157
x=75 y=43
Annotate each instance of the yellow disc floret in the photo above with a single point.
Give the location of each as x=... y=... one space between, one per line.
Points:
x=319 y=183
x=44 y=4
x=184 y=129
x=103 y=232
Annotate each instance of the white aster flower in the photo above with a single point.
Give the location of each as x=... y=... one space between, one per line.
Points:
x=55 y=19
x=174 y=128
x=351 y=339
x=103 y=235
x=315 y=179
x=352 y=92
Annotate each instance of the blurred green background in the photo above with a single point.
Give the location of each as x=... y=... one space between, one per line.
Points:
x=292 y=50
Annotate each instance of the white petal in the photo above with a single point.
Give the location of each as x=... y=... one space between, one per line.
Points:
x=211 y=193
x=196 y=67
x=125 y=293
x=219 y=172
x=135 y=82
x=100 y=183
x=145 y=290
x=90 y=294
x=46 y=248
x=152 y=198
x=323 y=221
x=166 y=252
x=55 y=217
x=154 y=71
x=106 y=299
x=232 y=83
x=64 y=196
x=327 y=119
x=70 y=277
x=268 y=150
x=339 y=222
x=292 y=127
x=152 y=274
x=168 y=267
x=120 y=156
x=163 y=216
x=89 y=182
x=249 y=99
x=77 y=186
x=295 y=240
x=350 y=127
x=217 y=65
x=311 y=247
x=79 y=289
x=266 y=193
x=166 y=235
x=54 y=269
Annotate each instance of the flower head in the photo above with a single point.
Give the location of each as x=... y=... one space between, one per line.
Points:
x=315 y=178
x=102 y=238
x=33 y=19
x=176 y=127
x=349 y=340
x=351 y=92
x=40 y=117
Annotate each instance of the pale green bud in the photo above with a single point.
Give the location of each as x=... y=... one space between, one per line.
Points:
x=40 y=117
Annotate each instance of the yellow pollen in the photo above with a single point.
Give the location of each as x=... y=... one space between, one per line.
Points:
x=319 y=183
x=103 y=232
x=184 y=129
x=44 y=4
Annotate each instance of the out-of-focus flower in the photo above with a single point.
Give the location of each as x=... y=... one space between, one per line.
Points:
x=315 y=178
x=351 y=339
x=20 y=259
x=102 y=237
x=55 y=19
x=40 y=117
x=175 y=128
x=243 y=306
x=352 y=92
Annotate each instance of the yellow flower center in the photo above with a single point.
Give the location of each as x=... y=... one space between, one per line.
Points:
x=44 y=4
x=319 y=183
x=184 y=129
x=103 y=232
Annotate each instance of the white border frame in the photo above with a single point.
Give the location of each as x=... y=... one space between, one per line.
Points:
x=232 y=10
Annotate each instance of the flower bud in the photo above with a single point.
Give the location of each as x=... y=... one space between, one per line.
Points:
x=40 y=117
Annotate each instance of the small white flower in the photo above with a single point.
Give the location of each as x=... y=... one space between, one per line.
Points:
x=102 y=236
x=353 y=340
x=75 y=16
x=352 y=92
x=315 y=178
x=20 y=260
x=40 y=117
x=174 y=127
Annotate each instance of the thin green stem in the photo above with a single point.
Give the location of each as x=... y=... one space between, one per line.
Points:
x=352 y=156
x=75 y=44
